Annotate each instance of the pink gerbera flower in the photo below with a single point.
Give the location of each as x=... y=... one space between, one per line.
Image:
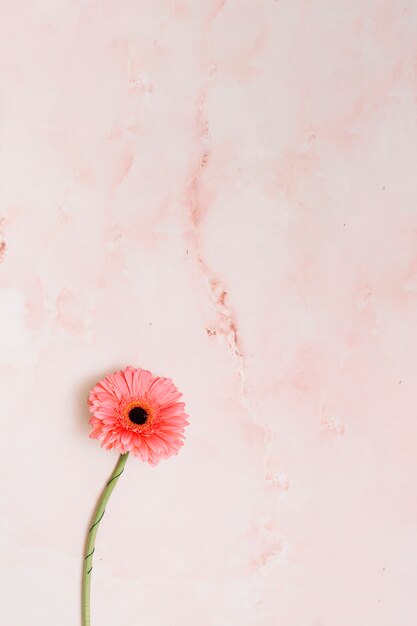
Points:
x=136 y=412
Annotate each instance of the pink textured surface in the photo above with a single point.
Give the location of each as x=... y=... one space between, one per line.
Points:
x=223 y=193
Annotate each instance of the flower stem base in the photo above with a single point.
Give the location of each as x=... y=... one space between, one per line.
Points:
x=91 y=538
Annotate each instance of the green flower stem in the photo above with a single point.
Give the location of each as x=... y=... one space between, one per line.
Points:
x=89 y=548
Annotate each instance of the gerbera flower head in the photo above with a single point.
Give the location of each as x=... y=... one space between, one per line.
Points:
x=136 y=412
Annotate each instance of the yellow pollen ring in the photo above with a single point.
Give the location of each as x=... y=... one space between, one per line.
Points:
x=142 y=404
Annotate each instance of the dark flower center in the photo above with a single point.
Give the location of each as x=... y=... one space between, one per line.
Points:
x=137 y=415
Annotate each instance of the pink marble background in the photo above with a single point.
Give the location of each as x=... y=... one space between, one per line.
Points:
x=223 y=192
